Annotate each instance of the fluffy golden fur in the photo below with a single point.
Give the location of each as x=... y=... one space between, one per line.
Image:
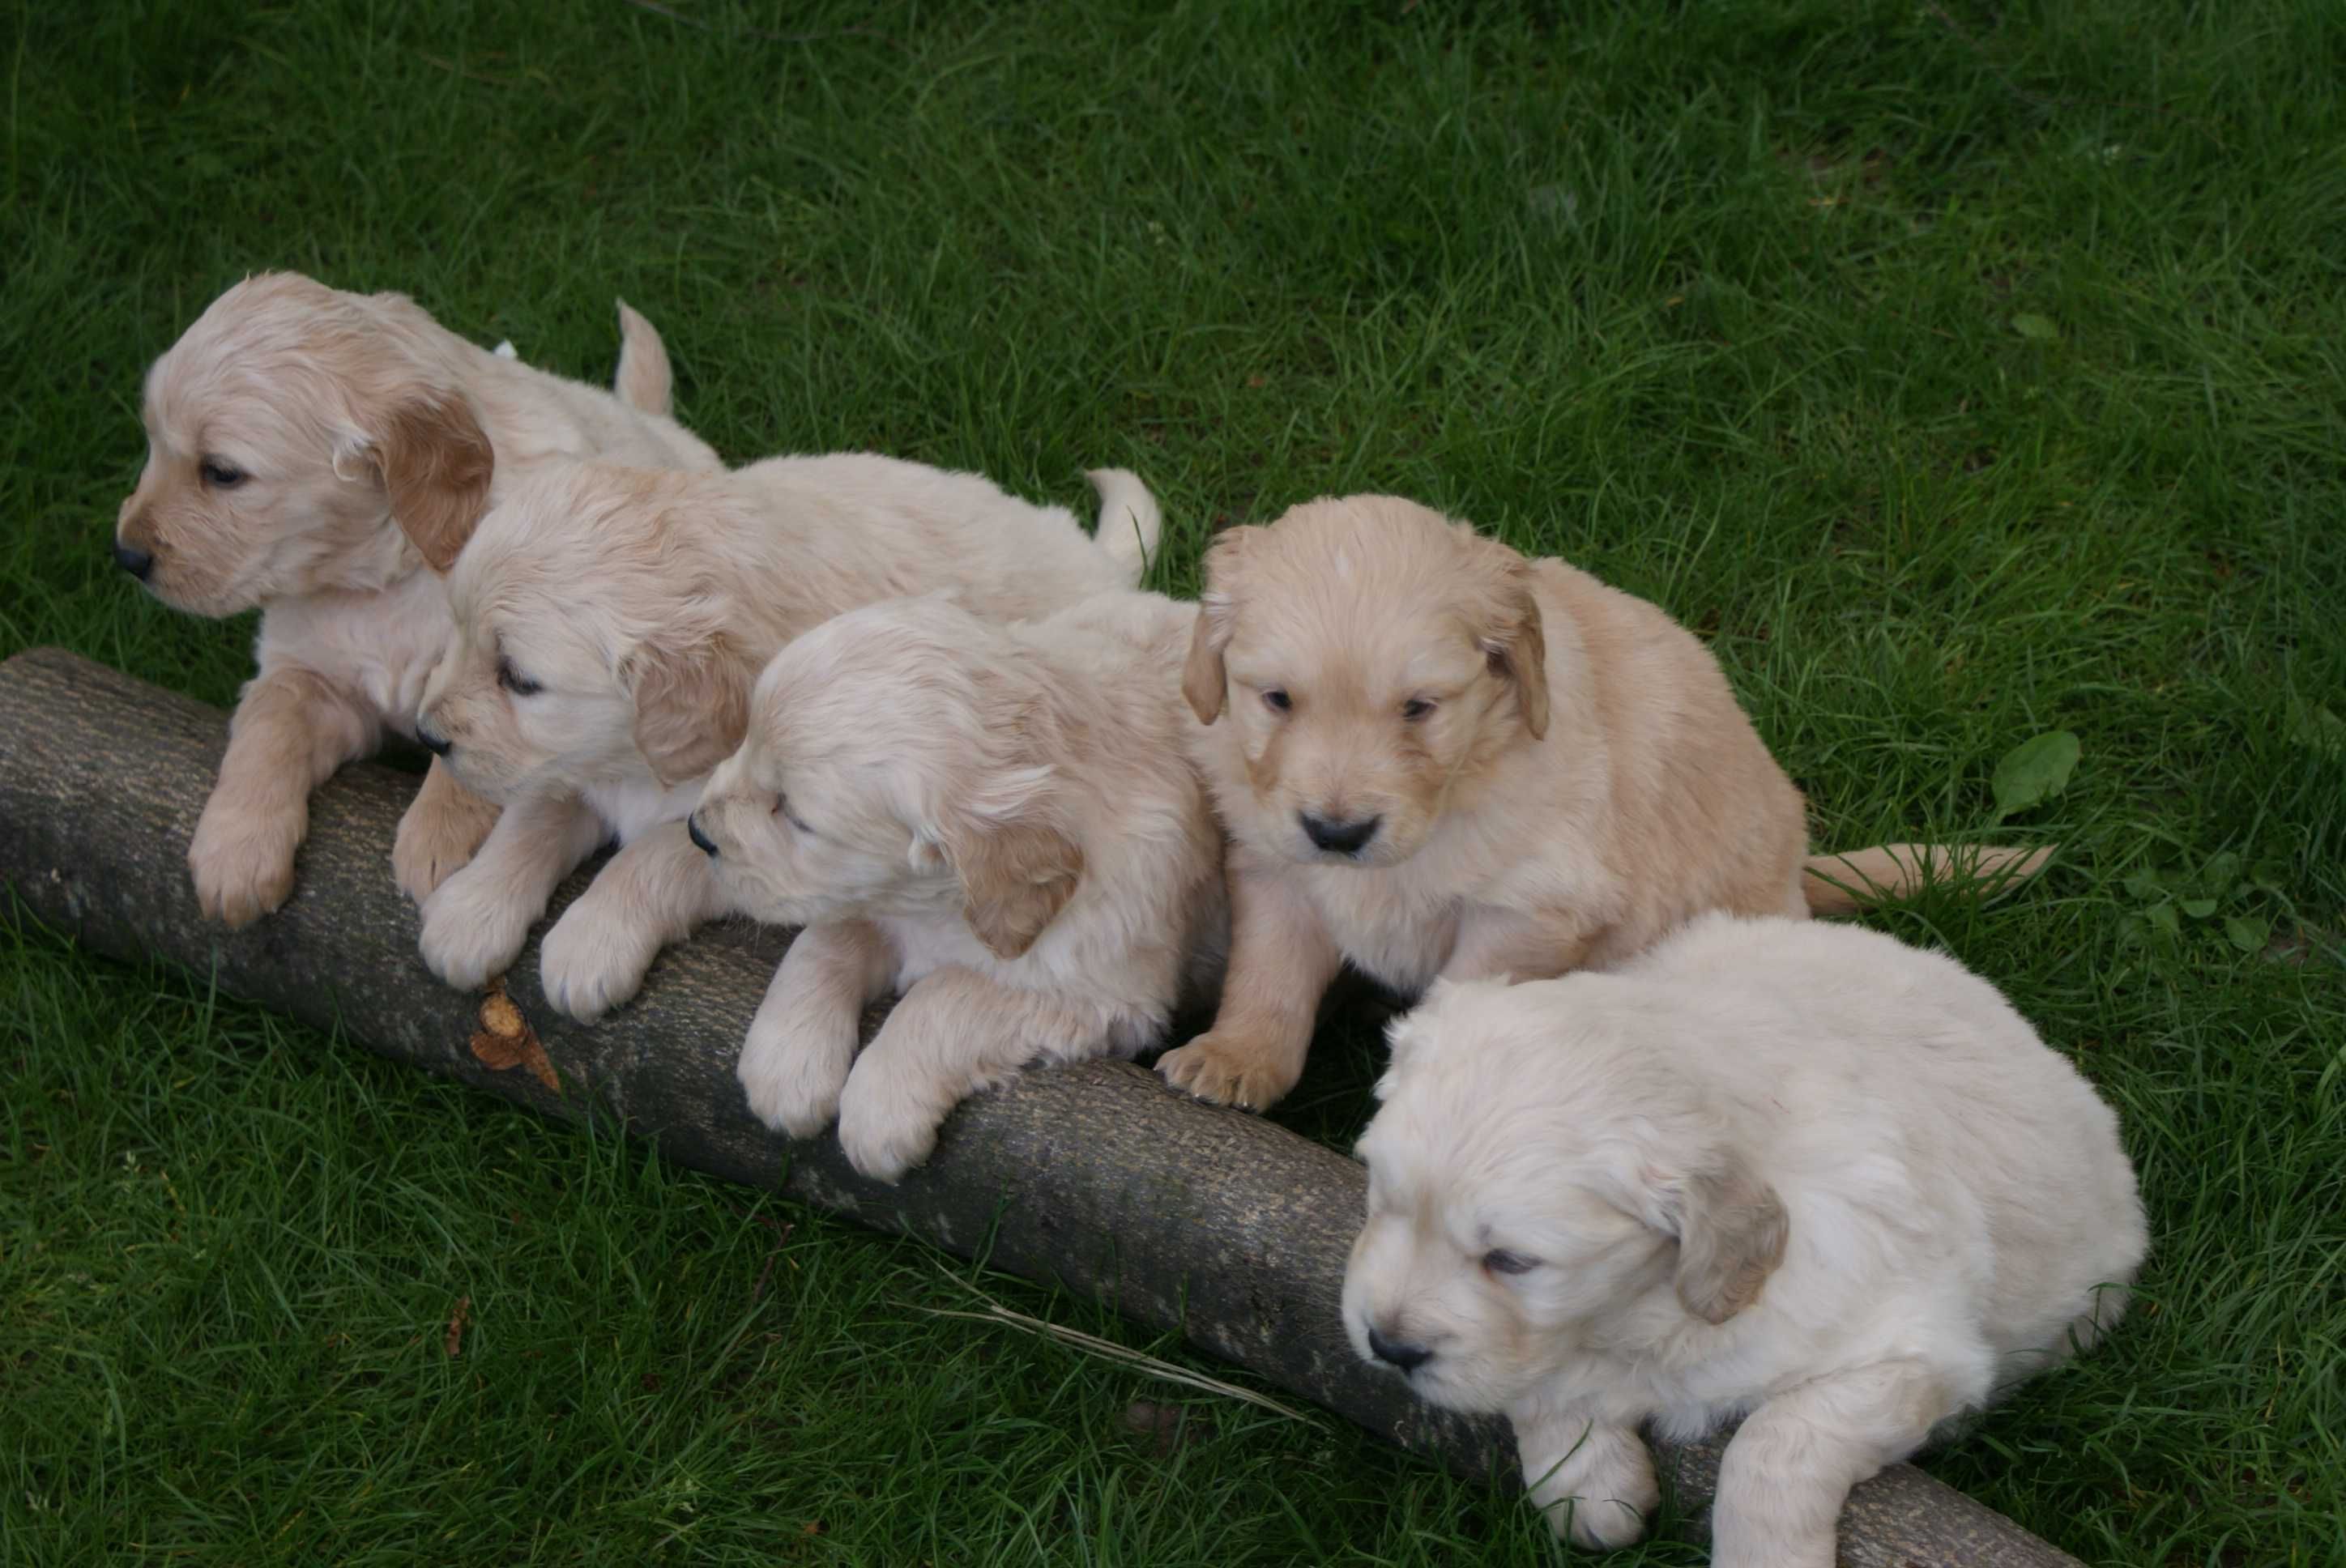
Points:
x=1437 y=758
x=994 y=821
x=1798 y=1173
x=285 y=430
x=611 y=624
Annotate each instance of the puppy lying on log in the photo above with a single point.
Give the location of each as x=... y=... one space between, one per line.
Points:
x=1094 y=1177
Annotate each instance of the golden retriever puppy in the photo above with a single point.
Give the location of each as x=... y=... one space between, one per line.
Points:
x=1434 y=757
x=285 y=431
x=1799 y=1174
x=611 y=623
x=994 y=821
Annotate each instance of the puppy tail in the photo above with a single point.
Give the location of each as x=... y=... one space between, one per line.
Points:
x=645 y=381
x=1129 y=521
x=1844 y=884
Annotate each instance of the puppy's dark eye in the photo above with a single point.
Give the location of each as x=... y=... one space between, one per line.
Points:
x=514 y=681
x=1415 y=708
x=1499 y=1260
x=221 y=475
x=1277 y=700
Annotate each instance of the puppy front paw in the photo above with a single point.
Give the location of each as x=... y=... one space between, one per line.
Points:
x=1594 y=1483
x=593 y=960
x=886 y=1124
x=794 y=1064
x=242 y=862
x=473 y=929
x=1228 y=1068
x=438 y=835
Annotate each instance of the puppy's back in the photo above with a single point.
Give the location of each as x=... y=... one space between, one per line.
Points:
x=914 y=528
x=1702 y=818
x=534 y=417
x=1888 y=1051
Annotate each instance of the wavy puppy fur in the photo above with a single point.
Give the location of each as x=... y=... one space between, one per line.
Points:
x=996 y=822
x=1437 y=758
x=1799 y=1173
x=611 y=623
x=309 y=452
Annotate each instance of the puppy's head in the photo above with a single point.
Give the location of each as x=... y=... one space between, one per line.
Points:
x=284 y=431
x=899 y=761
x=596 y=638
x=1527 y=1192
x=1370 y=654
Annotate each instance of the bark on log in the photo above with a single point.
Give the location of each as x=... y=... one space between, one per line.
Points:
x=1095 y=1178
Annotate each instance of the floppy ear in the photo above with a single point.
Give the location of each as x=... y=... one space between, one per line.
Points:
x=1016 y=875
x=435 y=463
x=1516 y=648
x=1731 y=1229
x=1204 y=681
x=692 y=708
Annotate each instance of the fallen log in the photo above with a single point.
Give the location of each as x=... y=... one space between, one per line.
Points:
x=1095 y=1178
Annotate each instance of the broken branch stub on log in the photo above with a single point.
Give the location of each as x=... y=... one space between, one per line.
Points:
x=1095 y=1178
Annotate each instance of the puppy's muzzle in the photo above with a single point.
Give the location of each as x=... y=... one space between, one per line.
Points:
x=438 y=745
x=1399 y=1354
x=1340 y=838
x=700 y=840
x=133 y=560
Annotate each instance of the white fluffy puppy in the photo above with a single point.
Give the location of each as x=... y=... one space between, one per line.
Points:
x=1798 y=1173
x=611 y=623
x=285 y=432
x=996 y=822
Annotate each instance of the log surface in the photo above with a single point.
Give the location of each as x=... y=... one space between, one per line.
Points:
x=1095 y=1178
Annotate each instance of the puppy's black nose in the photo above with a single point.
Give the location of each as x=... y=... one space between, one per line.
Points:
x=133 y=560
x=692 y=830
x=433 y=743
x=1398 y=1353
x=1341 y=838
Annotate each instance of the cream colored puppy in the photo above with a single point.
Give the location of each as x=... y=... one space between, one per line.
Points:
x=611 y=623
x=285 y=431
x=994 y=821
x=1795 y=1173
x=1436 y=758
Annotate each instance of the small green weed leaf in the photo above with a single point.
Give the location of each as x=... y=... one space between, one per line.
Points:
x=2216 y=877
x=2162 y=917
x=2199 y=909
x=2034 y=771
x=2267 y=876
x=2145 y=885
x=2037 y=329
x=2248 y=931
x=2317 y=729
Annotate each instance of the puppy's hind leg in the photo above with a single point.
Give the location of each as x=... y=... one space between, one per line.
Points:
x=953 y=1034
x=1789 y=1469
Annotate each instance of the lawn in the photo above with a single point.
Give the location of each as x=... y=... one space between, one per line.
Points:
x=1961 y=374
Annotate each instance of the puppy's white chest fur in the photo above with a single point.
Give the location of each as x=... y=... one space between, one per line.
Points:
x=380 y=645
x=636 y=806
x=1391 y=924
x=924 y=943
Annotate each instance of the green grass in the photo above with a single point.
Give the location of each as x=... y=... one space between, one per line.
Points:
x=1719 y=299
